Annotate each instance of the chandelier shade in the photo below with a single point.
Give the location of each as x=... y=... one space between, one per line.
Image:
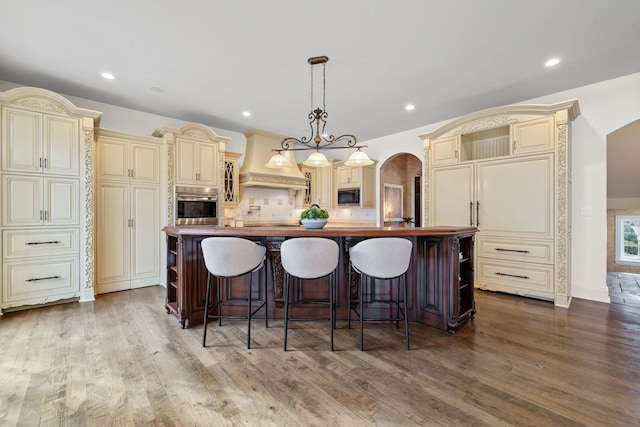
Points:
x=318 y=139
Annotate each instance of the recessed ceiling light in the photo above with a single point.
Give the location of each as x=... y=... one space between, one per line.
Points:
x=551 y=62
x=107 y=75
x=246 y=113
x=409 y=107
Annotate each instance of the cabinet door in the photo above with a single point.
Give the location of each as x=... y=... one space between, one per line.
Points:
x=145 y=236
x=61 y=201
x=21 y=200
x=112 y=237
x=515 y=196
x=444 y=151
x=347 y=176
x=534 y=135
x=186 y=157
x=207 y=164
x=61 y=148
x=324 y=187
x=231 y=184
x=21 y=140
x=113 y=160
x=145 y=163
x=452 y=200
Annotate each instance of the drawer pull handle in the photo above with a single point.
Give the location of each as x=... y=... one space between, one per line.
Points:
x=521 y=251
x=52 y=242
x=512 y=275
x=42 y=278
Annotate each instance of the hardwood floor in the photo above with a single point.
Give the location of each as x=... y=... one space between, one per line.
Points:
x=121 y=360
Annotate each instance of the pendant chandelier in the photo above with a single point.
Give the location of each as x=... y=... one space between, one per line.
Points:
x=318 y=140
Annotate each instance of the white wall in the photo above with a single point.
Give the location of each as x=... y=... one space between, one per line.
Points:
x=605 y=107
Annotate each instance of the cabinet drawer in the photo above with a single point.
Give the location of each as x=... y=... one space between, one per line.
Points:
x=40 y=281
x=515 y=250
x=29 y=243
x=515 y=277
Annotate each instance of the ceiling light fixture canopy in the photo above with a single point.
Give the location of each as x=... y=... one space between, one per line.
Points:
x=319 y=139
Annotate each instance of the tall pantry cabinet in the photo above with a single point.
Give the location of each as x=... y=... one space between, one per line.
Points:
x=129 y=217
x=507 y=172
x=47 y=199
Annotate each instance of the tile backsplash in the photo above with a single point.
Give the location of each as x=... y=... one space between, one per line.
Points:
x=269 y=205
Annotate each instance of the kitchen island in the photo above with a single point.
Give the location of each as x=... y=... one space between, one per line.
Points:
x=440 y=275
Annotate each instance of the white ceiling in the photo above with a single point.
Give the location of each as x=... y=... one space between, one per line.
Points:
x=214 y=59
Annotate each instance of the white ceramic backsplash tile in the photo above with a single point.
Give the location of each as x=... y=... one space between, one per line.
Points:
x=274 y=206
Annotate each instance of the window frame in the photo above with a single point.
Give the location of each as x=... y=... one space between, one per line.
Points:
x=621 y=257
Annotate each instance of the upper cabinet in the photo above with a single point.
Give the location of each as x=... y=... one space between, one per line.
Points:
x=231 y=179
x=527 y=135
x=127 y=159
x=35 y=142
x=197 y=162
x=319 y=189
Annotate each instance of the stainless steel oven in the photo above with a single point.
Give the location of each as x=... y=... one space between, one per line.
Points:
x=196 y=205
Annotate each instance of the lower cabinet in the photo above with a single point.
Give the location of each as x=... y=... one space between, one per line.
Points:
x=447 y=271
x=39 y=266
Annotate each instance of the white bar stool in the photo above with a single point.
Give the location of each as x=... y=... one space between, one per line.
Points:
x=309 y=258
x=383 y=258
x=226 y=258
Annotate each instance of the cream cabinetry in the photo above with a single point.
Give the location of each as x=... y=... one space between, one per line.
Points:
x=30 y=200
x=128 y=211
x=39 y=143
x=46 y=242
x=231 y=179
x=358 y=177
x=197 y=162
x=507 y=172
x=195 y=156
x=319 y=189
x=347 y=176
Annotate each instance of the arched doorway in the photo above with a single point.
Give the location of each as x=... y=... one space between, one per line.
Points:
x=623 y=215
x=400 y=174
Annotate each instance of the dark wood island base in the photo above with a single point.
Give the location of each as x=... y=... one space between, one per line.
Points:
x=440 y=275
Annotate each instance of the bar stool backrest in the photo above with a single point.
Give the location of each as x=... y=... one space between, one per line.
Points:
x=382 y=257
x=231 y=256
x=309 y=257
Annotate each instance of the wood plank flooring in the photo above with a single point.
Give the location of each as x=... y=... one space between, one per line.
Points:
x=122 y=361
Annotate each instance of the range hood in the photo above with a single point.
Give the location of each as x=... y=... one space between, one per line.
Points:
x=254 y=173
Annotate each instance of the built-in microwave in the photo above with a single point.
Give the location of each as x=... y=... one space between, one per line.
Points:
x=348 y=197
x=196 y=205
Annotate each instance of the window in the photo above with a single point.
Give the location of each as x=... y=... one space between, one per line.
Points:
x=627 y=246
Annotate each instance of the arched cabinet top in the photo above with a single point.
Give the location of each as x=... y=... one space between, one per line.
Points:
x=501 y=116
x=46 y=101
x=192 y=130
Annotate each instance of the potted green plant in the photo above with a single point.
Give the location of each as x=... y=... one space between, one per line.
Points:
x=314 y=217
x=407 y=221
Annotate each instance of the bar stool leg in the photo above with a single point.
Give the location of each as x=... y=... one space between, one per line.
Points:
x=332 y=311
x=249 y=311
x=206 y=310
x=406 y=320
x=266 y=297
x=286 y=308
x=363 y=280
